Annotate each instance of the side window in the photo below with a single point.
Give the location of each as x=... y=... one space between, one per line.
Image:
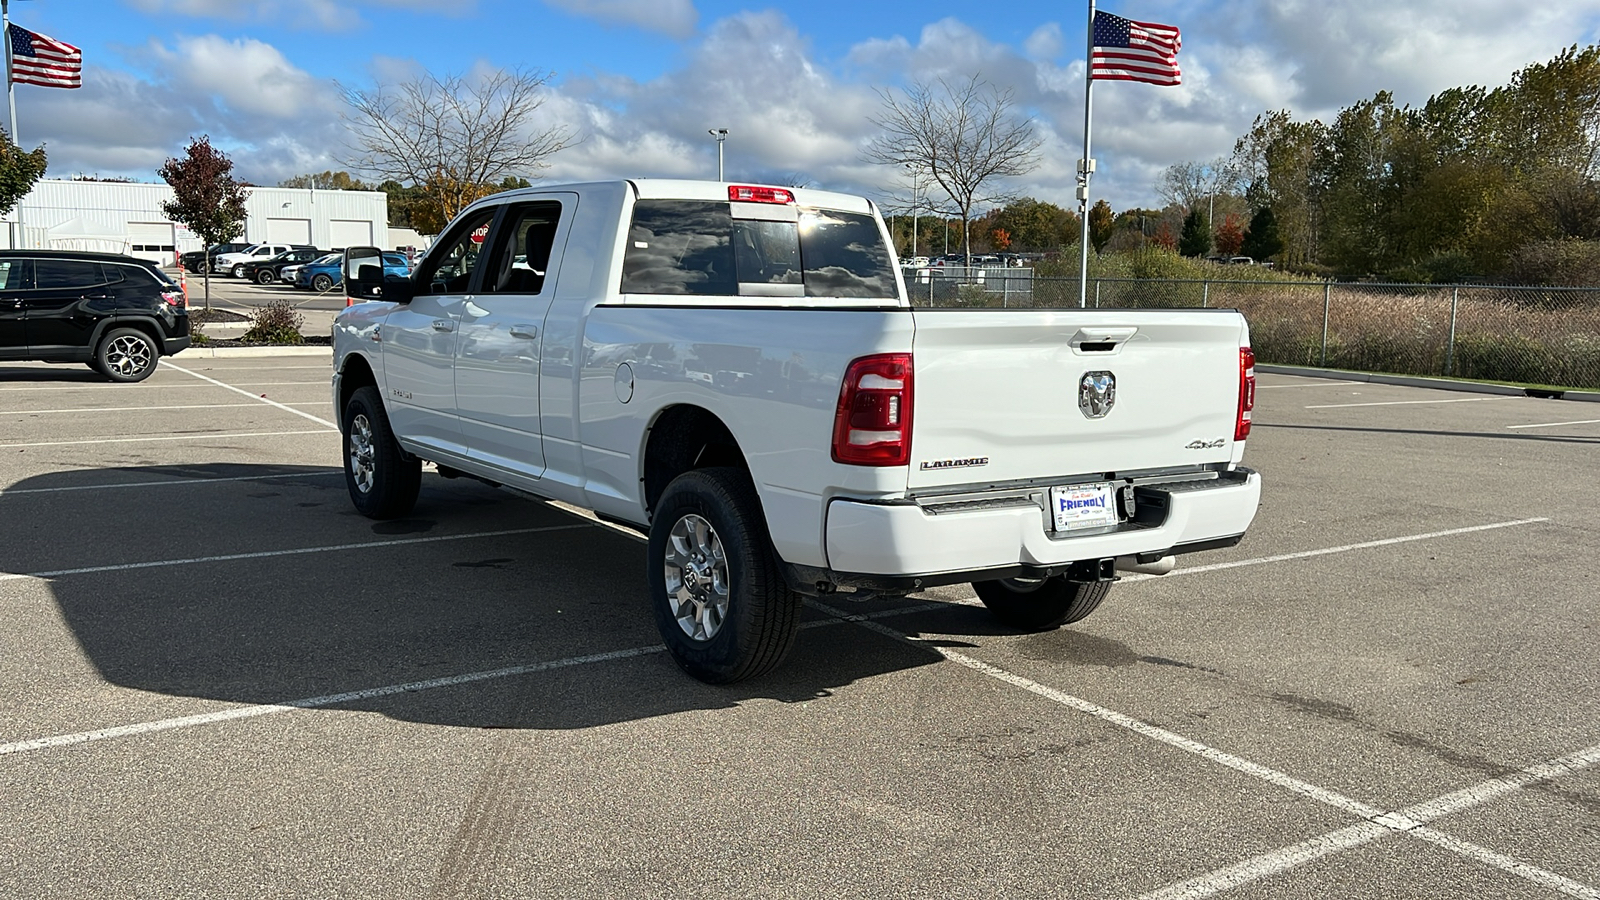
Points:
x=522 y=249
x=13 y=274
x=449 y=266
x=680 y=247
x=59 y=274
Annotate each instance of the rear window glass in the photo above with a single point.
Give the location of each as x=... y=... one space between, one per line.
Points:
x=696 y=247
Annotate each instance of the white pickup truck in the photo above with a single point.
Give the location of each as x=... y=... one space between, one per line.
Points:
x=735 y=370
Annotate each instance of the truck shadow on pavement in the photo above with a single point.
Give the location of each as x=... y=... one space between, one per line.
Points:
x=260 y=585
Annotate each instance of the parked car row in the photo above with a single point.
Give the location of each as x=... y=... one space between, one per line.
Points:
x=300 y=266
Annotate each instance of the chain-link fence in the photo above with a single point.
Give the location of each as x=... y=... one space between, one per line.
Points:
x=1532 y=335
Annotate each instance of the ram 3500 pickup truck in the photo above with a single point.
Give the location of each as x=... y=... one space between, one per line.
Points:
x=736 y=371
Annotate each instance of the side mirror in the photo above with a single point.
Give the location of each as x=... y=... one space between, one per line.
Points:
x=363 y=274
x=365 y=278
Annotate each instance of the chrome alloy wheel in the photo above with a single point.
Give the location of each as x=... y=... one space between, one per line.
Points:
x=363 y=465
x=697 y=577
x=128 y=356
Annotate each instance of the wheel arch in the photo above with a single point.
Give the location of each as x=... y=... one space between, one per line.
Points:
x=355 y=372
x=681 y=438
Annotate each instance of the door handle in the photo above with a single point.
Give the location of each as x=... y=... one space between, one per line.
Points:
x=443 y=325
x=525 y=331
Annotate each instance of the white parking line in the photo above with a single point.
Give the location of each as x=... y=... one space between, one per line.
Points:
x=89 y=386
x=236 y=390
x=389 y=690
x=163 y=483
x=216 y=368
x=1410 y=821
x=1379 y=822
x=94 y=409
x=296 y=551
x=169 y=437
x=1325 y=551
x=1557 y=424
x=1409 y=402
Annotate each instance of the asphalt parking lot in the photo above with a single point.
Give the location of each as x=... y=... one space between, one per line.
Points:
x=219 y=681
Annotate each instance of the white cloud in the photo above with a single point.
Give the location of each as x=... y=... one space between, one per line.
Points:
x=674 y=18
x=1044 y=43
x=248 y=76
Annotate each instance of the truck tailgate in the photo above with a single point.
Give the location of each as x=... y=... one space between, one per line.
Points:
x=997 y=392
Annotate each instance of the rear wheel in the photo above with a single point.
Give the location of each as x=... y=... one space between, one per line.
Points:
x=383 y=479
x=1040 y=604
x=126 y=354
x=720 y=600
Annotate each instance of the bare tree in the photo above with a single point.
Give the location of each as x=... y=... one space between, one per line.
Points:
x=1194 y=184
x=961 y=137
x=453 y=137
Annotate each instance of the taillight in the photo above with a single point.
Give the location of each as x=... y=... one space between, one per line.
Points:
x=173 y=298
x=751 y=194
x=1247 y=393
x=872 y=426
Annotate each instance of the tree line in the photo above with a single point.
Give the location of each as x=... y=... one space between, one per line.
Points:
x=1474 y=183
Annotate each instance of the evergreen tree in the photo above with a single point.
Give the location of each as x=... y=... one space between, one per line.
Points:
x=1261 y=241
x=1195 y=239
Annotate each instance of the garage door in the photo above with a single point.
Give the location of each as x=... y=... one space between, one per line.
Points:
x=344 y=233
x=153 y=241
x=288 y=231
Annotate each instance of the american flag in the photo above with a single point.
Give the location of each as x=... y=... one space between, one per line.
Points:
x=1125 y=50
x=36 y=59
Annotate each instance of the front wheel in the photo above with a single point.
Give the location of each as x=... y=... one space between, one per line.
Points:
x=238 y=270
x=321 y=283
x=264 y=276
x=383 y=479
x=719 y=597
x=1040 y=604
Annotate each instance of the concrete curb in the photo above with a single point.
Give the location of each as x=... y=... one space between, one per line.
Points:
x=1442 y=384
x=252 y=352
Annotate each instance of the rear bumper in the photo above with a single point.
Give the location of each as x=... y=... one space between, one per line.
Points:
x=907 y=546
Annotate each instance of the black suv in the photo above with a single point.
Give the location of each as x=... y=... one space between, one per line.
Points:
x=266 y=271
x=200 y=260
x=116 y=313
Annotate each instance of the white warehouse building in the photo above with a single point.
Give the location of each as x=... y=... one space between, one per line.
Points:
x=118 y=217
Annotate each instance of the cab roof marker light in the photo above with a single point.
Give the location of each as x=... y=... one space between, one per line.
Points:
x=744 y=193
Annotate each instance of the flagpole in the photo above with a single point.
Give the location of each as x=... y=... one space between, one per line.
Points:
x=1085 y=166
x=11 y=101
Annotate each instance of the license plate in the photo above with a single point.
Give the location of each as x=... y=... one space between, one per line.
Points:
x=1081 y=506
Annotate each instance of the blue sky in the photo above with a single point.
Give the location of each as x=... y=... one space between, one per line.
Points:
x=642 y=80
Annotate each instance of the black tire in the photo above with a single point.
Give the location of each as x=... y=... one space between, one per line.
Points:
x=238 y=270
x=265 y=276
x=1040 y=604
x=761 y=614
x=126 y=355
x=383 y=479
x=322 y=283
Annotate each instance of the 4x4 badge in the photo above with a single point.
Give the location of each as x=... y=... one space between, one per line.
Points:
x=1097 y=393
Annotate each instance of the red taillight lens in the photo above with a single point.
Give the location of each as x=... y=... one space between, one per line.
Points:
x=750 y=194
x=173 y=298
x=872 y=426
x=1247 y=392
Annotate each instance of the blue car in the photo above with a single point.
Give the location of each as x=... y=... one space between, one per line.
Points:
x=325 y=274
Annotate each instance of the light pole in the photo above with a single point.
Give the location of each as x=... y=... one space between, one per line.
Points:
x=721 y=134
x=916 y=202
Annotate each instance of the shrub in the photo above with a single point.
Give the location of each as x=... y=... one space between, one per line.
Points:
x=277 y=322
